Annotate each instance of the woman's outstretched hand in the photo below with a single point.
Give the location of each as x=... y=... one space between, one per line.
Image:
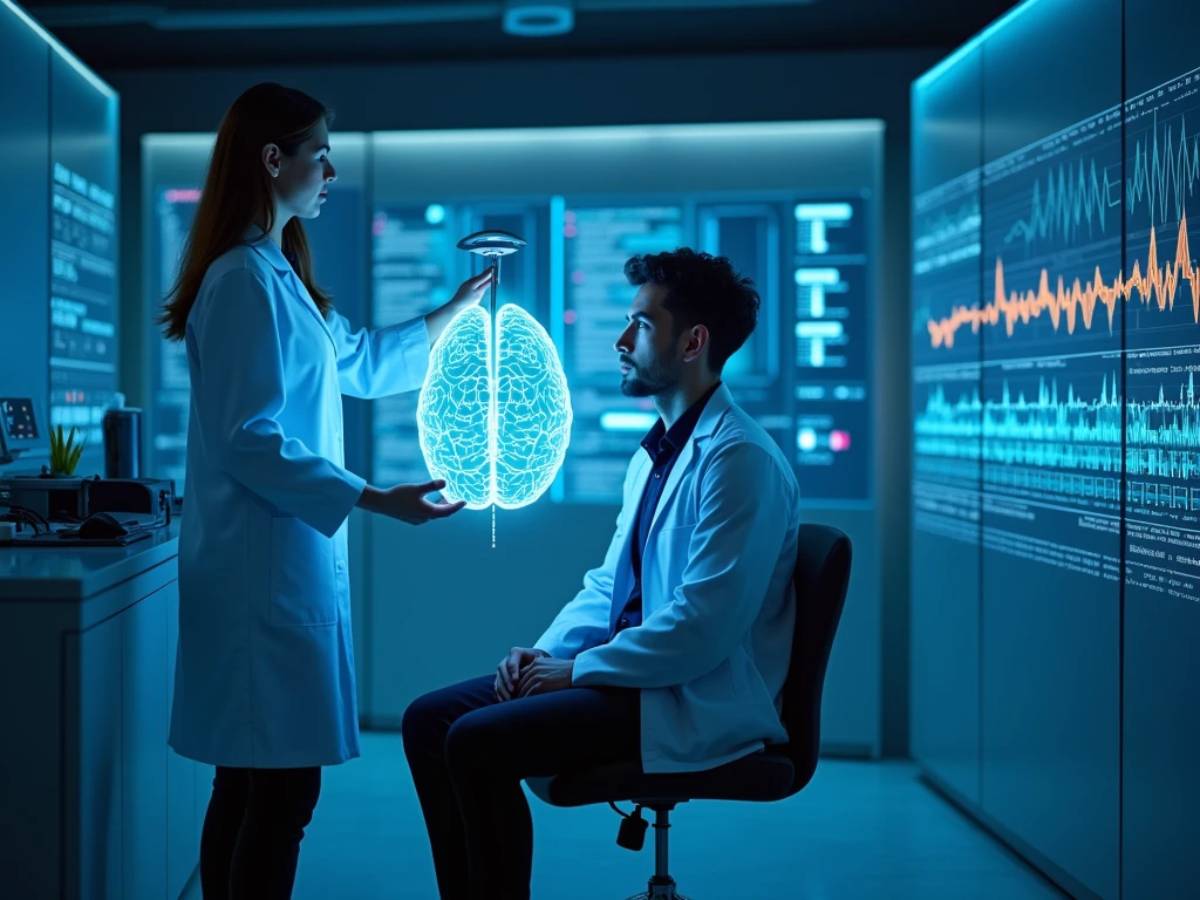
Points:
x=407 y=502
x=472 y=290
x=468 y=294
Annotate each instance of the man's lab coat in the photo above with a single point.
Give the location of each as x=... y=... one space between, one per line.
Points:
x=712 y=652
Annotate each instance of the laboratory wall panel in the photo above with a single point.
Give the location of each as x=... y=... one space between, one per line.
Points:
x=1083 y=421
x=58 y=347
x=83 y=251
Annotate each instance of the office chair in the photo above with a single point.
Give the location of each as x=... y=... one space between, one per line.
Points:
x=778 y=771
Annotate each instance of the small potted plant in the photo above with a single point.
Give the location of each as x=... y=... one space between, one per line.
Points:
x=64 y=453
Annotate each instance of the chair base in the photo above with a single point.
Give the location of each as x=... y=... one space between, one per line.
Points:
x=659 y=889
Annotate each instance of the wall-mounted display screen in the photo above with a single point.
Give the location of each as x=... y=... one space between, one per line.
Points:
x=83 y=250
x=807 y=257
x=58 y=242
x=1056 y=428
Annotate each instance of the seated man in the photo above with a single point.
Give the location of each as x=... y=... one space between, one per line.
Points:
x=675 y=651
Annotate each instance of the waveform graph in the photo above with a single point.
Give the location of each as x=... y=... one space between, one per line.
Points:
x=1163 y=161
x=1050 y=247
x=1163 y=202
x=1056 y=442
x=1162 y=464
x=1051 y=466
x=1162 y=460
x=1056 y=426
x=1071 y=307
x=947 y=434
x=1073 y=198
x=1049 y=425
x=946 y=235
x=1082 y=198
x=947 y=242
x=1068 y=206
x=1045 y=442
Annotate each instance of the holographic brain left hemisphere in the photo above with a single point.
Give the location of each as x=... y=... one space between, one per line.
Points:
x=494 y=416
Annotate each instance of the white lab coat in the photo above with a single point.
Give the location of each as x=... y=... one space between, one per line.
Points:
x=718 y=607
x=265 y=670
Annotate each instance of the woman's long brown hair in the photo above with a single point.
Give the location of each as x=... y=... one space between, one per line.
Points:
x=237 y=193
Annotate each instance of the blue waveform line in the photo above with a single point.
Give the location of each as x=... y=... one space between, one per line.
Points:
x=1164 y=436
x=1075 y=195
x=944 y=227
x=1071 y=432
x=1164 y=175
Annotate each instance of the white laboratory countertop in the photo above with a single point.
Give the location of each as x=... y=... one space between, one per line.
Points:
x=75 y=573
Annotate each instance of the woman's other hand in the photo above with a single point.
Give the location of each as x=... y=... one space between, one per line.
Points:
x=407 y=502
x=468 y=294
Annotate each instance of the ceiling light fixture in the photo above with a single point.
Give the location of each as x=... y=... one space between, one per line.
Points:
x=545 y=19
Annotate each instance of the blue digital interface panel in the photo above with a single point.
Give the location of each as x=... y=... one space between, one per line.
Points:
x=947 y=411
x=803 y=374
x=1162 y=296
x=608 y=425
x=1056 y=304
x=1054 y=405
x=832 y=333
x=83 y=250
x=415 y=267
x=1044 y=413
x=174 y=209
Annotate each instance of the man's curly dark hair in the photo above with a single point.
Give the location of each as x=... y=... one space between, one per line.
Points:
x=702 y=289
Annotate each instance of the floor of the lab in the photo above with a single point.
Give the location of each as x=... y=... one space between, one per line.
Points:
x=859 y=830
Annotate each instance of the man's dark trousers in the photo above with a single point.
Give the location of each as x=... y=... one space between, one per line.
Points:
x=468 y=752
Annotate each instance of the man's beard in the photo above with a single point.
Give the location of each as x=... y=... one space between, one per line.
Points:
x=639 y=383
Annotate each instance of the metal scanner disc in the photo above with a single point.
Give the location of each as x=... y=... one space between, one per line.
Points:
x=492 y=243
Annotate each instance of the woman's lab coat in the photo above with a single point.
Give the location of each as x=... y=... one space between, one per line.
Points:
x=265 y=671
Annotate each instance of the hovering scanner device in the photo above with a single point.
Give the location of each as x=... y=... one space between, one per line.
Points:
x=494 y=246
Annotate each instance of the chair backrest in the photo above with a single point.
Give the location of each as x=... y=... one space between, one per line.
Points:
x=820 y=577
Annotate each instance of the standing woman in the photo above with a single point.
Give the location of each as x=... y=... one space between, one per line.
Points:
x=264 y=682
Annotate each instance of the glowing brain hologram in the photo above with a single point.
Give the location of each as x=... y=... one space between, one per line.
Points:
x=494 y=414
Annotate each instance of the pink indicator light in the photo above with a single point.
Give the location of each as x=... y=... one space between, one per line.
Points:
x=839 y=440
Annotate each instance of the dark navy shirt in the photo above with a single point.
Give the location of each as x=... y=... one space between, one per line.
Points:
x=663 y=446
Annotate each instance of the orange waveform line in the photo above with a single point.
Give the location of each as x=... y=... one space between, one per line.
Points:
x=1077 y=303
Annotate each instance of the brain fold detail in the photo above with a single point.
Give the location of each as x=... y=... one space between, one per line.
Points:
x=494 y=415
